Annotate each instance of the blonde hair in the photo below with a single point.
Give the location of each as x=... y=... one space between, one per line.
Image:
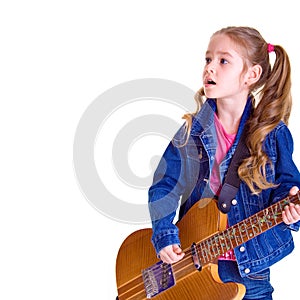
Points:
x=274 y=92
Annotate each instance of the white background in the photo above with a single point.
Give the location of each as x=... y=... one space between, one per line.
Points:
x=56 y=58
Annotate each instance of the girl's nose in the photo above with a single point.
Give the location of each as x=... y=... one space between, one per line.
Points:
x=210 y=68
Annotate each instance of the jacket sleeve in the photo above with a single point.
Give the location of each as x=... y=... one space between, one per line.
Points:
x=287 y=174
x=164 y=196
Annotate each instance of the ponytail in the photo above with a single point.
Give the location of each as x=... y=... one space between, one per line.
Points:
x=274 y=106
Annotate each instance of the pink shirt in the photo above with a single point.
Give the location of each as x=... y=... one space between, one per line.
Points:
x=224 y=142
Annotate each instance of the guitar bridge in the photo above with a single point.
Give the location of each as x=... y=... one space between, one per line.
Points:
x=158 y=278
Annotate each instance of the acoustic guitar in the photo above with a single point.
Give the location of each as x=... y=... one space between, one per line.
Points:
x=204 y=237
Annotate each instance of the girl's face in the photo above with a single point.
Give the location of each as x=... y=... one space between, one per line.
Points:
x=224 y=76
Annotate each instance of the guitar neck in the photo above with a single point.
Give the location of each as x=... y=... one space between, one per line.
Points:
x=211 y=248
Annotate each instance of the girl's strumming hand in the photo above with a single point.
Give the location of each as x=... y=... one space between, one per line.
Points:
x=291 y=212
x=171 y=254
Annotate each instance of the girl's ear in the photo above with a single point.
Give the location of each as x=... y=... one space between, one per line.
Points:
x=254 y=73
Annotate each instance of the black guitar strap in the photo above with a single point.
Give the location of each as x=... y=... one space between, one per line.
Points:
x=232 y=180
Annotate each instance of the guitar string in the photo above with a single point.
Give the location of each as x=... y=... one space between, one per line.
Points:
x=188 y=258
x=212 y=243
x=187 y=261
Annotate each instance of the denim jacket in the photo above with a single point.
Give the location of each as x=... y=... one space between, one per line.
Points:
x=182 y=178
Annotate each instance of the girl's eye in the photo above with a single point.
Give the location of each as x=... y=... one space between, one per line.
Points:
x=207 y=60
x=223 y=61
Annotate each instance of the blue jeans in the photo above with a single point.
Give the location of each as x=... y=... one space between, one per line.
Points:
x=258 y=286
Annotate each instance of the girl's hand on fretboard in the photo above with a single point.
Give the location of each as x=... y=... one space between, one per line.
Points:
x=291 y=212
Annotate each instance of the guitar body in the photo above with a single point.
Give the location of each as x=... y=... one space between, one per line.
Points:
x=137 y=253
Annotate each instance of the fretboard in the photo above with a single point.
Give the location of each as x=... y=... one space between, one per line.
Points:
x=218 y=244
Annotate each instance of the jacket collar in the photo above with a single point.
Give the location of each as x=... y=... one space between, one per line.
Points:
x=204 y=119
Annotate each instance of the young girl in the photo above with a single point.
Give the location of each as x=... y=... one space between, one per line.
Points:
x=195 y=163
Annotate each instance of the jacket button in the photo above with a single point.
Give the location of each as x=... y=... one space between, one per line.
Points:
x=247 y=271
x=234 y=202
x=242 y=249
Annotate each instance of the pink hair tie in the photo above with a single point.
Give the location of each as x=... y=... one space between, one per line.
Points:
x=270 y=48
